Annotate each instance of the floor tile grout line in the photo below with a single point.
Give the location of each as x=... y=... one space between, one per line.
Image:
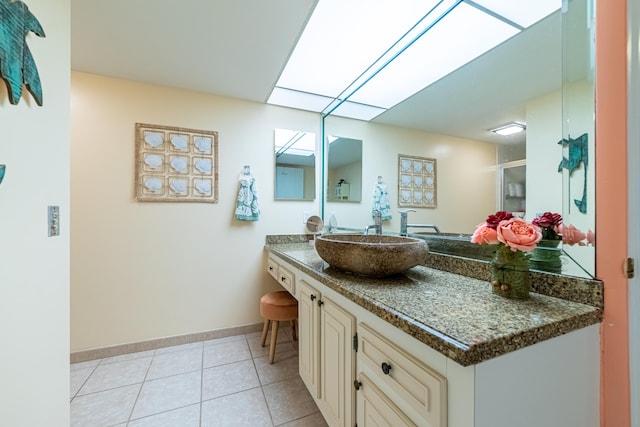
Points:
x=264 y=396
x=158 y=413
x=201 y=386
x=140 y=389
x=107 y=389
x=83 y=383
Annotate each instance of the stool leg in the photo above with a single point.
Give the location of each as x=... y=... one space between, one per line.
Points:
x=294 y=327
x=274 y=338
x=265 y=331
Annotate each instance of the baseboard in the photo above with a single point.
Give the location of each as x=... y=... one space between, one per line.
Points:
x=117 y=350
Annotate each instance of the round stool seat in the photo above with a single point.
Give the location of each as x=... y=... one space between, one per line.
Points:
x=279 y=305
x=276 y=307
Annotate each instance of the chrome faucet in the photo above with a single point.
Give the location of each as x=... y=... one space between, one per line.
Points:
x=404 y=225
x=377 y=226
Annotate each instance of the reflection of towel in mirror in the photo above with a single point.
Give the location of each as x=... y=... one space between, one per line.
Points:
x=247 y=208
x=381 y=201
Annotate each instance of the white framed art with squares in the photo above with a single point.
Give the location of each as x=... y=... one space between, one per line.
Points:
x=417 y=183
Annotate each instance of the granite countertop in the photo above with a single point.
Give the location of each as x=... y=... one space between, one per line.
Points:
x=456 y=315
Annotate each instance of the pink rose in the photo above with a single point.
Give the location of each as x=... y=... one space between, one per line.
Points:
x=571 y=235
x=484 y=234
x=518 y=234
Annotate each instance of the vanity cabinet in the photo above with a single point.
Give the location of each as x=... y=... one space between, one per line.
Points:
x=389 y=377
x=326 y=354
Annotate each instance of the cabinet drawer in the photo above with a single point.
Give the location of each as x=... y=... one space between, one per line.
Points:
x=272 y=267
x=287 y=279
x=375 y=409
x=409 y=383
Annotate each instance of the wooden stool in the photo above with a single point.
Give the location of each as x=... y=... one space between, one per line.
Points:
x=276 y=307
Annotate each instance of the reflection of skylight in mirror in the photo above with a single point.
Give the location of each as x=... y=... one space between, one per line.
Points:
x=294 y=142
x=522 y=12
x=346 y=46
x=430 y=59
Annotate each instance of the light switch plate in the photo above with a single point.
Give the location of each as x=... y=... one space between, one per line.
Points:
x=54 y=220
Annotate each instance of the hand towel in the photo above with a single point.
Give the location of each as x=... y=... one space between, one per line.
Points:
x=247 y=208
x=381 y=202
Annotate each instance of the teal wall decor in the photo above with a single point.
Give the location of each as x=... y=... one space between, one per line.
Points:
x=2 y=169
x=578 y=154
x=16 y=62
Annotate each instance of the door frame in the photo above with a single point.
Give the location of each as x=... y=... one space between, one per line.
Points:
x=633 y=158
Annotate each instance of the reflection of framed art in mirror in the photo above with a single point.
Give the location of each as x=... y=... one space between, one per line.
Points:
x=417 y=182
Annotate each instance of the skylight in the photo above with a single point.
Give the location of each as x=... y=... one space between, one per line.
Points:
x=359 y=58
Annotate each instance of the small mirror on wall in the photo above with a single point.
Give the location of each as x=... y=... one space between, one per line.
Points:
x=295 y=162
x=344 y=180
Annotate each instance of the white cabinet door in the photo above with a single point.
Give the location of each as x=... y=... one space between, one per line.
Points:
x=308 y=336
x=337 y=362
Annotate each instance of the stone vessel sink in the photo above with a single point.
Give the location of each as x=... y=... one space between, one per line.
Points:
x=372 y=255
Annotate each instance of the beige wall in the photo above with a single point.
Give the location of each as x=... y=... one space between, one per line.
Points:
x=34 y=289
x=465 y=176
x=142 y=271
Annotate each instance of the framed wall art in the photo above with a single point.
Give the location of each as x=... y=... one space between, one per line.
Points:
x=176 y=164
x=417 y=185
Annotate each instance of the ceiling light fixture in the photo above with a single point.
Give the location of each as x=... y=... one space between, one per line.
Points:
x=510 y=129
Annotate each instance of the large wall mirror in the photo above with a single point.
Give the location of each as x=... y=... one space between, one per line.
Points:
x=295 y=163
x=543 y=78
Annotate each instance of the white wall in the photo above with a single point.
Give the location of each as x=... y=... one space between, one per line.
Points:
x=544 y=130
x=547 y=189
x=578 y=103
x=34 y=291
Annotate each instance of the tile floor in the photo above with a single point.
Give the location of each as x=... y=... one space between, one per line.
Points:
x=221 y=382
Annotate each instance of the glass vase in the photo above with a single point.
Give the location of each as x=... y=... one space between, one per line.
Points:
x=546 y=256
x=510 y=273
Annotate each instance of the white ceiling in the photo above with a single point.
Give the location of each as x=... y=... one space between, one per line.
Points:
x=238 y=48
x=234 y=48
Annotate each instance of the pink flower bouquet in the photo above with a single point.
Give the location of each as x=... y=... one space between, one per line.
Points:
x=503 y=228
x=514 y=238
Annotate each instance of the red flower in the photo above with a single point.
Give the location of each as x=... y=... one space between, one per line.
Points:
x=548 y=219
x=550 y=224
x=494 y=220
